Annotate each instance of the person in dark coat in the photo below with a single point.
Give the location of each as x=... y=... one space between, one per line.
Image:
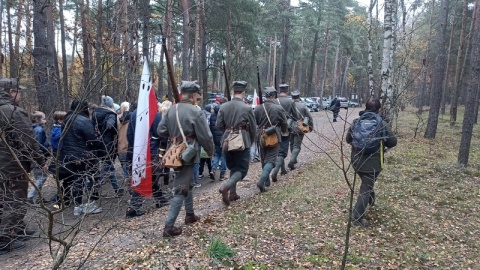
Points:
x=197 y=133
x=291 y=114
x=17 y=137
x=335 y=108
x=106 y=124
x=368 y=166
x=219 y=158
x=136 y=201
x=77 y=155
x=296 y=137
x=269 y=114
x=236 y=117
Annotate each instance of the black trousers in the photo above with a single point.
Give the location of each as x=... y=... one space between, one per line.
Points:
x=366 y=194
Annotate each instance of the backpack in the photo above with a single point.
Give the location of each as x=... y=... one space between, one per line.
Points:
x=367 y=133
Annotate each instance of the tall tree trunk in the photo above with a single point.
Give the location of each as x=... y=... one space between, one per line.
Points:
x=472 y=78
x=203 y=49
x=274 y=72
x=437 y=80
x=43 y=53
x=463 y=87
x=458 y=67
x=12 y=57
x=168 y=24
x=324 y=66
x=87 y=74
x=66 y=91
x=386 y=94
x=185 y=5
x=98 y=52
x=445 y=79
x=54 y=55
x=196 y=48
x=314 y=52
x=370 y=50
x=343 y=90
x=18 y=28
x=145 y=32
x=286 y=33
x=300 y=66
x=335 y=70
x=2 y=56
x=75 y=38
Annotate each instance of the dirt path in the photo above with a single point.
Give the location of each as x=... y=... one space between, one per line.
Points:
x=116 y=238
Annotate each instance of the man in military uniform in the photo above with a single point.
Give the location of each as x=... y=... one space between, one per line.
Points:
x=296 y=137
x=291 y=114
x=198 y=134
x=269 y=114
x=236 y=117
x=19 y=153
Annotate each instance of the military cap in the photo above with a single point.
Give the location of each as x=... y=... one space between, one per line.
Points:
x=10 y=83
x=239 y=86
x=283 y=87
x=270 y=91
x=296 y=94
x=189 y=87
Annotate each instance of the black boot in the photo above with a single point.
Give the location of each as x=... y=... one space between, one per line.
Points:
x=133 y=213
x=170 y=231
x=293 y=159
x=267 y=168
x=278 y=165
x=283 y=170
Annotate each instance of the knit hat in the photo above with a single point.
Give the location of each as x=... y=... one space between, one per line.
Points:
x=107 y=101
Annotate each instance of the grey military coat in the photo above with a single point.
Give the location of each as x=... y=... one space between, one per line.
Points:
x=235 y=114
x=194 y=126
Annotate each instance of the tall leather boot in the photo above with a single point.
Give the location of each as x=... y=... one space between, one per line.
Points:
x=293 y=159
x=283 y=171
x=278 y=165
x=267 y=168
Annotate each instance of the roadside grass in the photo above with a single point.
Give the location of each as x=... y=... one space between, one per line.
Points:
x=426 y=216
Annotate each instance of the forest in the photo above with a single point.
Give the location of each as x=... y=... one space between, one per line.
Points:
x=419 y=57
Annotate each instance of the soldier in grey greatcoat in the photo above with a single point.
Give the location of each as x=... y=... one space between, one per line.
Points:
x=291 y=113
x=18 y=140
x=296 y=137
x=236 y=116
x=197 y=133
x=269 y=114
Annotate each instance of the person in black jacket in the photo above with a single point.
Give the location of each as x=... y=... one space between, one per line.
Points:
x=156 y=143
x=335 y=108
x=106 y=125
x=219 y=158
x=79 y=143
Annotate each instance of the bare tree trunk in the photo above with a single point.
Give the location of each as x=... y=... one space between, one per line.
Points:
x=300 y=66
x=12 y=56
x=437 y=81
x=445 y=79
x=467 y=52
x=87 y=75
x=343 y=90
x=203 y=48
x=2 y=56
x=274 y=69
x=286 y=33
x=98 y=52
x=196 y=48
x=43 y=53
x=369 y=44
x=314 y=52
x=168 y=24
x=335 y=70
x=185 y=5
x=229 y=30
x=324 y=66
x=458 y=67
x=64 y=56
x=18 y=27
x=74 y=45
x=386 y=94
x=472 y=78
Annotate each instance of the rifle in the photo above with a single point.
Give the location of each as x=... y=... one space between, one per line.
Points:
x=176 y=95
x=260 y=97
x=276 y=83
x=227 y=86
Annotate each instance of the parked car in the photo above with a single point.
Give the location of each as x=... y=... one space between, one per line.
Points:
x=311 y=104
x=326 y=103
x=353 y=104
x=343 y=102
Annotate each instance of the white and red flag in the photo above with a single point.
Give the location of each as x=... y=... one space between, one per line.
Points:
x=146 y=110
x=255 y=100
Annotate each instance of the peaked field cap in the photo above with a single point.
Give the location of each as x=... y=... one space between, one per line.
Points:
x=189 y=87
x=295 y=93
x=283 y=87
x=9 y=83
x=239 y=85
x=269 y=91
